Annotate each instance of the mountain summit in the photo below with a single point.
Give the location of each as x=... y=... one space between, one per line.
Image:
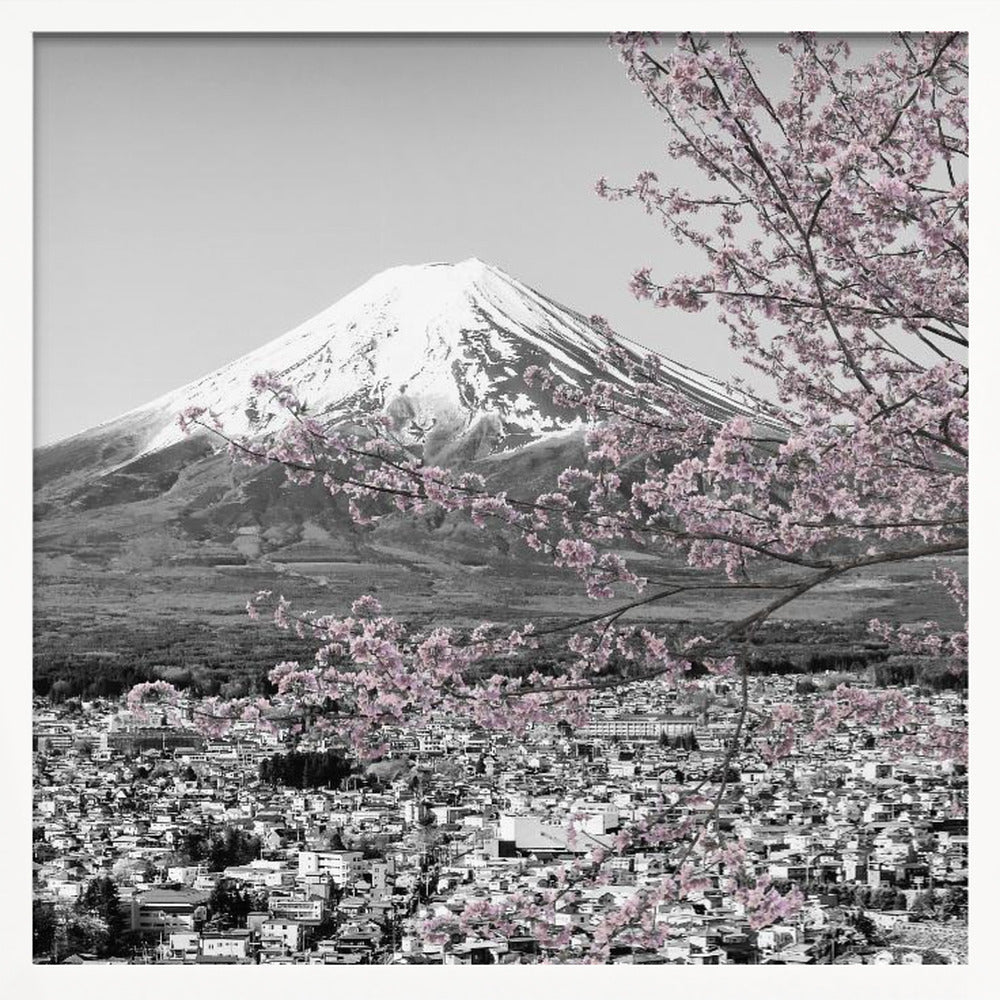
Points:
x=440 y=348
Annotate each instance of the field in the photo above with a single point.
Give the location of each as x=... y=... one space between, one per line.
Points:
x=104 y=630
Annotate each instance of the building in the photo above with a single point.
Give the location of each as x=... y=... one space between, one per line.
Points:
x=533 y=835
x=300 y=908
x=648 y=727
x=283 y=934
x=343 y=867
x=135 y=741
x=166 y=910
x=233 y=945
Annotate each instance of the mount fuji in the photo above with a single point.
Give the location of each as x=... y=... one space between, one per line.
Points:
x=441 y=349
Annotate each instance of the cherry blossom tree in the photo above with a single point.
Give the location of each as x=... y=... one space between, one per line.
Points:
x=831 y=218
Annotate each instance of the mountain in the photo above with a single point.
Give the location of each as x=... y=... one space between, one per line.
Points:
x=441 y=349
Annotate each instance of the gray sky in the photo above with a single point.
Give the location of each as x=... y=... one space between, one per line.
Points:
x=197 y=197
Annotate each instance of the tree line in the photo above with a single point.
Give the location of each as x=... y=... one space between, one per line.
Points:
x=307 y=769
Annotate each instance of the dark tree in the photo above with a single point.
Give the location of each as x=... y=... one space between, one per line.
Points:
x=100 y=899
x=234 y=847
x=229 y=903
x=43 y=928
x=867 y=928
x=305 y=770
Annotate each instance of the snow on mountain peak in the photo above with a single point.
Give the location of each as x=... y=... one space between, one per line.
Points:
x=441 y=348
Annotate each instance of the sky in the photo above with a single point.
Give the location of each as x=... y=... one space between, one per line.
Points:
x=196 y=197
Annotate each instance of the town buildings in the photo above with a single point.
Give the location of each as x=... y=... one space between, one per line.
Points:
x=351 y=874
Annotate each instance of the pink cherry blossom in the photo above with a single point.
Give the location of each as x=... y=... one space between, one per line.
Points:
x=832 y=227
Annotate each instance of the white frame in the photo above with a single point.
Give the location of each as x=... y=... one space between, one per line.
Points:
x=19 y=20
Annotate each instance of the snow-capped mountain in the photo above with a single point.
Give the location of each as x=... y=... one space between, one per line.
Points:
x=440 y=348
x=146 y=539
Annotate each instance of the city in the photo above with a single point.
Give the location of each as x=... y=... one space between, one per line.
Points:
x=211 y=864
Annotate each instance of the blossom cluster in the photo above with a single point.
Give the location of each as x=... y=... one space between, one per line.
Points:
x=833 y=227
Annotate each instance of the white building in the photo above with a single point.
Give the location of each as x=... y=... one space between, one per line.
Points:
x=640 y=726
x=282 y=934
x=343 y=867
x=227 y=944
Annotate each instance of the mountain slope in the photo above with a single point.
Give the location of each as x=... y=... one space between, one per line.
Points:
x=441 y=349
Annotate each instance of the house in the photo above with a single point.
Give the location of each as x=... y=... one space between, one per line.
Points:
x=793 y=954
x=281 y=934
x=362 y=938
x=182 y=945
x=233 y=945
x=776 y=937
x=165 y=910
x=298 y=907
